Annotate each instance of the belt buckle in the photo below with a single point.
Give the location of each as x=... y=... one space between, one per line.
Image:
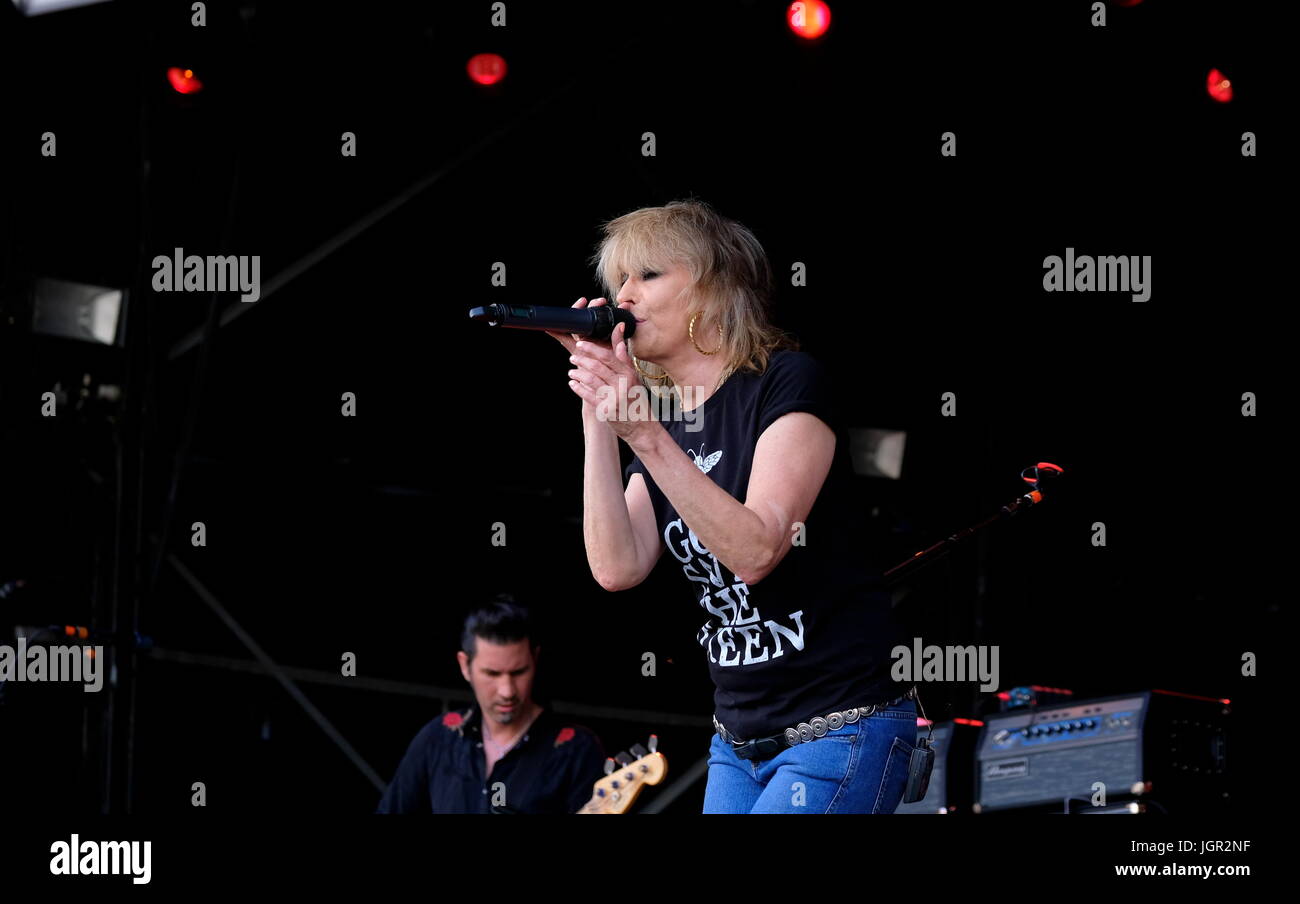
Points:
x=757 y=749
x=808 y=731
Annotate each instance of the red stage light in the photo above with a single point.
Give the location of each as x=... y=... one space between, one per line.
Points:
x=809 y=18
x=486 y=68
x=183 y=81
x=1126 y=2
x=1219 y=87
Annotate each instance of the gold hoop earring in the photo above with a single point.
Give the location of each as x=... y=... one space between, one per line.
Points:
x=690 y=329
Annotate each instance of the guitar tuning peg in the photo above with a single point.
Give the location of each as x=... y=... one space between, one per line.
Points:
x=638 y=751
x=609 y=765
x=653 y=743
x=622 y=757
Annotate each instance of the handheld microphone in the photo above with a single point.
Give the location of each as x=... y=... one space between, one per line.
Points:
x=595 y=323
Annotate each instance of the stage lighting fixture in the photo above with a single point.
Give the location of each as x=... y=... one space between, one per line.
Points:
x=39 y=7
x=486 y=68
x=877 y=453
x=183 y=80
x=808 y=18
x=1219 y=87
x=79 y=311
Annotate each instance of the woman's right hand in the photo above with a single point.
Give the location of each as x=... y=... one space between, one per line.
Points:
x=569 y=340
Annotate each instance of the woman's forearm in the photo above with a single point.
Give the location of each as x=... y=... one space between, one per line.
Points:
x=735 y=534
x=606 y=525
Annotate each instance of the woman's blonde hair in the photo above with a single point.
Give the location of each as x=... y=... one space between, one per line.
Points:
x=731 y=279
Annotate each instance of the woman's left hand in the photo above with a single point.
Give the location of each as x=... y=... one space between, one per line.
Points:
x=605 y=378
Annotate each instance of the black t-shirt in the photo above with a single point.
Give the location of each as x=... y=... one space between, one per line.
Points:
x=442 y=771
x=815 y=635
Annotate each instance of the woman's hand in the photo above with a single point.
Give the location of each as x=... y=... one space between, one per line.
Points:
x=569 y=340
x=605 y=379
x=570 y=343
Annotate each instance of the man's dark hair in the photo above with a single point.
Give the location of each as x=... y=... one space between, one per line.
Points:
x=501 y=621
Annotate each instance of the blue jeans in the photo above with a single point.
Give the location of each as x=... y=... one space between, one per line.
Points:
x=858 y=768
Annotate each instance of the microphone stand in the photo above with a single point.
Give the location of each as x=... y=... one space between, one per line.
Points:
x=926 y=557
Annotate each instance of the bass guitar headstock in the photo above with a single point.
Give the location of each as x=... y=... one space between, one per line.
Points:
x=625 y=776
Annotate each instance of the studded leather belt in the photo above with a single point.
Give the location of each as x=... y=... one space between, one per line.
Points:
x=818 y=726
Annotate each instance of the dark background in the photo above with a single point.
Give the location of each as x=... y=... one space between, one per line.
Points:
x=372 y=534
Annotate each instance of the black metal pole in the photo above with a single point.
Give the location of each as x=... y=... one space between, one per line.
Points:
x=929 y=556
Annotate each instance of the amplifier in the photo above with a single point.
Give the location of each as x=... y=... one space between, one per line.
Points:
x=1167 y=748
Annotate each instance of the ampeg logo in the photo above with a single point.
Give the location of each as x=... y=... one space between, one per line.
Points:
x=1017 y=768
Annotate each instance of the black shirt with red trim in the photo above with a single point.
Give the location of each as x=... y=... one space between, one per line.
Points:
x=443 y=768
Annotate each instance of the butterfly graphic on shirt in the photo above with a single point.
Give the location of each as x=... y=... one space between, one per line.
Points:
x=705 y=463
